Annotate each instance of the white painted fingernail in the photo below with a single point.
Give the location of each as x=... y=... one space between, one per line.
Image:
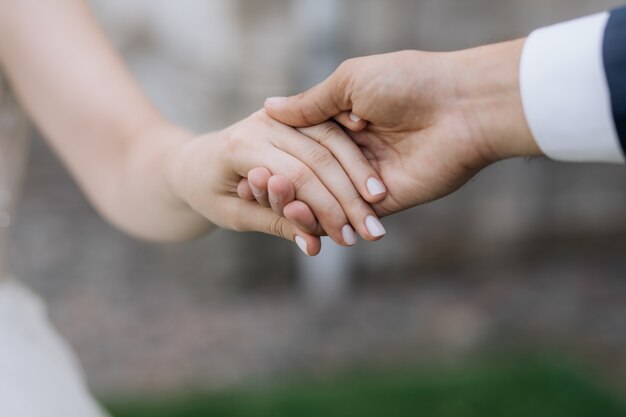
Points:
x=354 y=118
x=375 y=187
x=349 y=237
x=374 y=226
x=301 y=242
x=275 y=101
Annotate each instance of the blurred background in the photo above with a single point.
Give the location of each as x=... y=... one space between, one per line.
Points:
x=513 y=288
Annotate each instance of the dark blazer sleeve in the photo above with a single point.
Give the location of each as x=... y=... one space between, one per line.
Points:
x=614 y=54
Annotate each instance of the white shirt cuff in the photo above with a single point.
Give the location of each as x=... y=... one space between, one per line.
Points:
x=565 y=93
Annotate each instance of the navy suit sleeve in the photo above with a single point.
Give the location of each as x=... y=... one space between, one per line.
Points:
x=614 y=55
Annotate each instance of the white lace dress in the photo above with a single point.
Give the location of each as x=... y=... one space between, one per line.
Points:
x=39 y=375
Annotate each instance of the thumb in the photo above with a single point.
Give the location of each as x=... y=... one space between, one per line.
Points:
x=322 y=102
x=248 y=216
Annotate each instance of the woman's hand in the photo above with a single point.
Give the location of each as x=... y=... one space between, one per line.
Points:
x=206 y=173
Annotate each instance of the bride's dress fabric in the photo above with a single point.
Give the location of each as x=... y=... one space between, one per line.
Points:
x=39 y=375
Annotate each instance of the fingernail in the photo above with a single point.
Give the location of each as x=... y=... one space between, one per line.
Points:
x=375 y=187
x=349 y=237
x=301 y=242
x=273 y=198
x=255 y=191
x=354 y=118
x=374 y=226
x=275 y=101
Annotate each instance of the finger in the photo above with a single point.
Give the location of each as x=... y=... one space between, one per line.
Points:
x=334 y=178
x=320 y=103
x=325 y=207
x=258 y=178
x=280 y=192
x=248 y=216
x=281 y=196
x=309 y=188
x=351 y=121
x=300 y=214
x=244 y=191
x=351 y=158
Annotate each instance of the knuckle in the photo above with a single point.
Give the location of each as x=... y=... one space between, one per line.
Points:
x=300 y=177
x=261 y=117
x=321 y=157
x=276 y=227
x=236 y=140
x=347 y=65
x=327 y=132
x=302 y=96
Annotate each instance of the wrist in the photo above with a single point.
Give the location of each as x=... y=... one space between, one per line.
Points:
x=489 y=89
x=190 y=169
x=167 y=144
x=176 y=162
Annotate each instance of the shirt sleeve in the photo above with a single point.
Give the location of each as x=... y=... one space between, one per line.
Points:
x=573 y=88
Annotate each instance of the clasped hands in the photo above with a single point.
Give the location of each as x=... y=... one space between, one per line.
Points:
x=381 y=134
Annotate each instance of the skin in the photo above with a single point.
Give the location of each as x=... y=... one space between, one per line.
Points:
x=208 y=169
x=153 y=179
x=429 y=121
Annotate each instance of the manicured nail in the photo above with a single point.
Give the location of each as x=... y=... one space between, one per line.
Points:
x=275 y=101
x=375 y=187
x=255 y=191
x=374 y=226
x=301 y=242
x=349 y=237
x=354 y=118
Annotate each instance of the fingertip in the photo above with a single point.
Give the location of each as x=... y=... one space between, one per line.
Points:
x=244 y=191
x=301 y=215
x=259 y=176
x=351 y=121
x=354 y=117
x=281 y=187
x=312 y=107
x=316 y=246
x=310 y=245
x=376 y=190
x=375 y=228
x=276 y=107
x=375 y=199
x=274 y=102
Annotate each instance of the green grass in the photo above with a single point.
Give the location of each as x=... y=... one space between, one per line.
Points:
x=522 y=388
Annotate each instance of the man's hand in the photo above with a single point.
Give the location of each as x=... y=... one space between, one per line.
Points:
x=427 y=122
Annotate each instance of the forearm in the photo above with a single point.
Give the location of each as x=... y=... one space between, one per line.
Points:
x=140 y=198
x=94 y=115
